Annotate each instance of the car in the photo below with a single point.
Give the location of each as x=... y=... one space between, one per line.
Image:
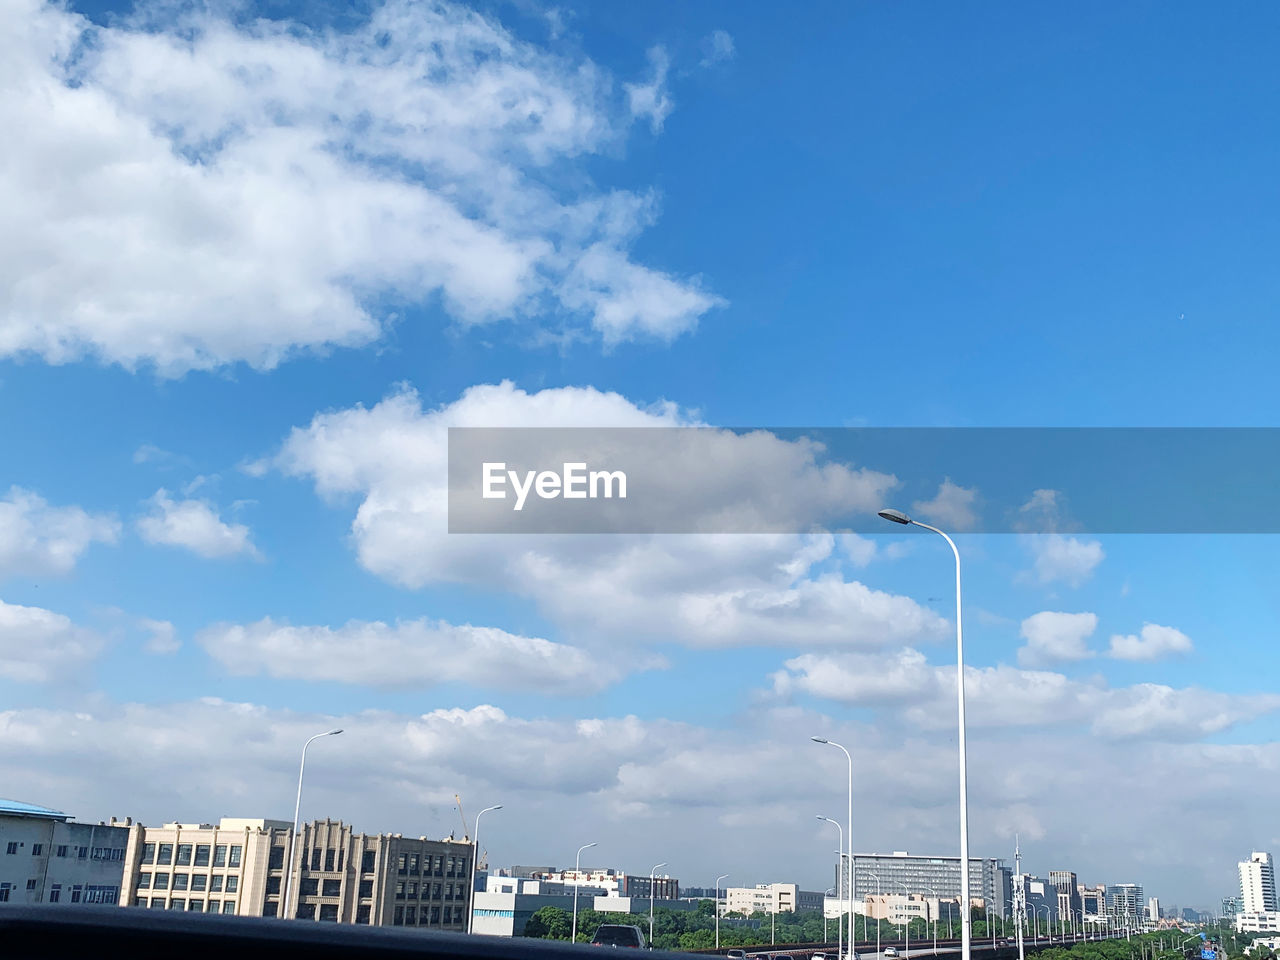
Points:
x=890 y=951
x=818 y=956
x=618 y=935
x=737 y=955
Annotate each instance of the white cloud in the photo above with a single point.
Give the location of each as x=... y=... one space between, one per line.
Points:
x=1055 y=637
x=162 y=637
x=36 y=538
x=412 y=654
x=193 y=525
x=719 y=47
x=1067 y=559
x=719 y=590
x=1153 y=643
x=652 y=99
x=952 y=507
x=194 y=192
x=39 y=646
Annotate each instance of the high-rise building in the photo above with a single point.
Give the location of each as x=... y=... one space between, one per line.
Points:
x=237 y=867
x=1231 y=906
x=1258 y=884
x=1125 y=901
x=1153 y=909
x=1065 y=882
x=48 y=858
x=1042 y=899
x=989 y=880
x=1093 y=900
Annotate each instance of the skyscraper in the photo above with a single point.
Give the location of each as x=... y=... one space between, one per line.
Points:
x=1065 y=882
x=1258 y=883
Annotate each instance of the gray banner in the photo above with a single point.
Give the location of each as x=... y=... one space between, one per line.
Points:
x=789 y=480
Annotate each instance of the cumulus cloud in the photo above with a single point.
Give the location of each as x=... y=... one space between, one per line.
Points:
x=1056 y=637
x=40 y=646
x=162 y=637
x=1153 y=643
x=717 y=590
x=952 y=507
x=651 y=99
x=1004 y=697
x=718 y=47
x=192 y=190
x=1066 y=559
x=412 y=654
x=193 y=525
x=36 y=538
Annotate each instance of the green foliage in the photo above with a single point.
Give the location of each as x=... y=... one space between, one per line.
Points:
x=551 y=923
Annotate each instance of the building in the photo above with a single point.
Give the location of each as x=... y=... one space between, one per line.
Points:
x=664 y=888
x=1042 y=899
x=505 y=906
x=617 y=883
x=771 y=898
x=1125 y=901
x=900 y=908
x=49 y=858
x=1153 y=909
x=340 y=876
x=1093 y=900
x=989 y=880
x=1257 y=883
x=1230 y=907
x=1266 y=922
x=1068 y=887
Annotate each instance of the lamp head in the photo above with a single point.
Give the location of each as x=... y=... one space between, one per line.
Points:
x=334 y=733
x=896 y=516
x=819 y=739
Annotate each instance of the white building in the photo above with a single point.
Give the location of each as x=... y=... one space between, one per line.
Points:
x=45 y=857
x=1153 y=909
x=506 y=904
x=1257 y=884
x=1264 y=922
x=767 y=898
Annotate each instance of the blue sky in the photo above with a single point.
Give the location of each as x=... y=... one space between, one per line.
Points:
x=256 y=271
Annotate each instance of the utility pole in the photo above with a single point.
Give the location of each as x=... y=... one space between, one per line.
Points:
x=1019 y=898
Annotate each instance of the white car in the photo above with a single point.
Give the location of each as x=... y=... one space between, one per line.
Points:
x=890 y=951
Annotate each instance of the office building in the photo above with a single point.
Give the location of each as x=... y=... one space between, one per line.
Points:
x=1068 y=887
x=1230 y=907
x=1258 y=884
x=1125 y=901
x=990 y=881
x=507 y=903
x=1093 y=900
x=339 y=876
x=1042 y=899
x=1265 y=922
x=618 y=883
x=770 y=898
x=46 y=857
x=1153 y=909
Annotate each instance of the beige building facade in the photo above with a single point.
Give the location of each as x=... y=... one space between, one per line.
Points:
x=339 y=876
x=764 y=897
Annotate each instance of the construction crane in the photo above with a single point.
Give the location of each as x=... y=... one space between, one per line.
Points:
x=465 y=832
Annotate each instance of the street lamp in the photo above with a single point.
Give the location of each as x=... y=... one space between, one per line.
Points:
x=877 y=880
x=832 y=891
x=723 y=876
x=1048 y=926
x=897 y=516
x=652 y=874
x=937 y=908
x=475 y=858
x=293 y=837
x=839 y=928
x=906 y=927
x=577 y=882
x=850 y=887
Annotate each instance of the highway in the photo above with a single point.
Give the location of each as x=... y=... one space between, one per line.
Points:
x=867 y=951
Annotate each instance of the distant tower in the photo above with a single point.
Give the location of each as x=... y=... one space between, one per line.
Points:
x=1019 y=896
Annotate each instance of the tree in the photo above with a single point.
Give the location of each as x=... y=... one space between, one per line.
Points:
x=550 y=923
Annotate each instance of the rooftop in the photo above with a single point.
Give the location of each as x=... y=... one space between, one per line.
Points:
x=16 y=808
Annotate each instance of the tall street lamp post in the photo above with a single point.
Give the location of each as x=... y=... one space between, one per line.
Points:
x=877 y=880
x=577 y=882
x=849 y=825
x=839 y=928
x=897 y=516
x=652 y=874
x=475 y=859
x=723 y=876
x=293 y=837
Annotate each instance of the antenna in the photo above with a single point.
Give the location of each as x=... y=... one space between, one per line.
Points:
x=1019 y=896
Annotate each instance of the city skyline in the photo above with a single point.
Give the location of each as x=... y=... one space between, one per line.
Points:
x=267 y=262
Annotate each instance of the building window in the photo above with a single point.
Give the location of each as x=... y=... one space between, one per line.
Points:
x=340 y=859
x=366 y=862
x=62 y=851
x=232 y=884
x=228 y=906
x=435 y=914
x=148 y=852
x=198 y=881
x=166 y=853
x=413 y=863
x=4 y=893
x=215 y=906
x=162 y=881
x=31 y=883
x=435 y=891
x=75 y=893
x=366 y=888
x=180 y=881
x=399 y=889
x=12 y=847
x=184 y=854
x=55 y=893
x=195 y=906
x=362 y=914
x=315 y=859
x=401 y=868
x=449 y=870
x=202 y=855
x=411 y=916
x=398 y=919
x=308 y=887
x=329 y=856
x=82 y=852
x=37 y=849
x=157 y=903
x=273 y=887
x=220 y=855
x=275 y=859
x=235 y=856
x=144 y=881
x=329 y=913
x=412 y=891
x=332 y=888
x=101 y=894
x=177 y=904
x=215 y=883
x=306 y=911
